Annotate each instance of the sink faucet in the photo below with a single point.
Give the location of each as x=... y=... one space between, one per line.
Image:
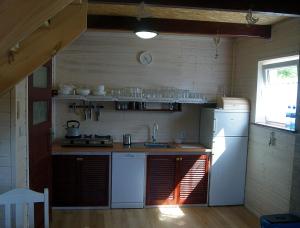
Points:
x=154 y=132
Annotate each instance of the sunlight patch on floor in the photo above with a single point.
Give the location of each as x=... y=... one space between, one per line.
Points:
x=170 y=212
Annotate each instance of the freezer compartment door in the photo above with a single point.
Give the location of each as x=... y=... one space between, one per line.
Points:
x=228 y=171
x=230 y=124
x=128 y=180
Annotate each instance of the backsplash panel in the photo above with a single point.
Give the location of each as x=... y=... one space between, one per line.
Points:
x=139 y=124
x=111 y=59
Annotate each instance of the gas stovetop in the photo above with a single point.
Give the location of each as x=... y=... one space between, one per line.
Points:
x=88 y=140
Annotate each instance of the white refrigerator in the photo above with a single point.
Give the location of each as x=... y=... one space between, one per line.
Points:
x=226 y=133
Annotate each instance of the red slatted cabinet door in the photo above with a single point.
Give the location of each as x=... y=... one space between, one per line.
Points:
x=193 y=177
x=161 y=180
x=94 y=180
x=65 y=180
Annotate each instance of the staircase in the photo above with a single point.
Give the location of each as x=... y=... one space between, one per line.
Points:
x=33 y=31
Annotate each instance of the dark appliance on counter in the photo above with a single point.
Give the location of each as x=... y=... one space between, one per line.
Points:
x=88 y=141
x=127 y=139
x=72 y=128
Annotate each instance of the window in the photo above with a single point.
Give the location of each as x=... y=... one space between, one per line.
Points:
x=277 y=92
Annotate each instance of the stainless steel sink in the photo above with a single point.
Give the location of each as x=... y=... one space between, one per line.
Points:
x=157 y=145
x=151 y=145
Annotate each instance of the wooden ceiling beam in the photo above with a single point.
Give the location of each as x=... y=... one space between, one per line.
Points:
x=133 y=10
x=179 y=26
x=287 y=7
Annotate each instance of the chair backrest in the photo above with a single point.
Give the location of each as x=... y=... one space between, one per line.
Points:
x=22 y=197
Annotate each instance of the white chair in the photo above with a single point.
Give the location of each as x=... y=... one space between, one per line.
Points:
x=21 y=197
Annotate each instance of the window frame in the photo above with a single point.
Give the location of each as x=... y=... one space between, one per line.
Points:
x=260 y=115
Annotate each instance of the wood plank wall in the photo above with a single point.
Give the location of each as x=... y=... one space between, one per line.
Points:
x=5 y=141
x=111 y=59
x=295 y=195
x=20 y=117
x=13 y=140
x=6 y=181
x=270 y=169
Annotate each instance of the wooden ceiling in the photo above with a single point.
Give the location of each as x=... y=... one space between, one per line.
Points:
x=210 y=17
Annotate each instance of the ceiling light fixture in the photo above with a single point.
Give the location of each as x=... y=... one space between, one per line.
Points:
x=143 y=34
x=143 y=30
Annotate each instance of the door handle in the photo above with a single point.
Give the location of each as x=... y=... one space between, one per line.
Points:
x=130 y=155
x=215 y=125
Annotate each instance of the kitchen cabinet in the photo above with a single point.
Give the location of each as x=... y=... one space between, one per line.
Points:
x=161 y=180
x=80 y=180
x=193 y=179
x=177 y=179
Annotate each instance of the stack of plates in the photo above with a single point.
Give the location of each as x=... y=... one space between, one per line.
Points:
x=99 y=90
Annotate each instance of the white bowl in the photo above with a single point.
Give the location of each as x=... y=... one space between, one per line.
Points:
x=66 y=89
x=83 y=92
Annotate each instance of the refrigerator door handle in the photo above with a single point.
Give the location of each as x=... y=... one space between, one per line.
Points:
x=215 y=125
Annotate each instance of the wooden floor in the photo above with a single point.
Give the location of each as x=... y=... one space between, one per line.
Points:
x=223 y=217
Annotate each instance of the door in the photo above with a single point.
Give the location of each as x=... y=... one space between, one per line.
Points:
x=128 y=180
x=230 y=124
x=193 y=177
x=39 y=119
x=227 y=177
x=161 y=180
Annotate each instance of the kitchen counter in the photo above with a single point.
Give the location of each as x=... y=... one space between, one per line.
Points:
x=119 y=147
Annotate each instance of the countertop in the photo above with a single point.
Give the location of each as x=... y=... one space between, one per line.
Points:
x=119 y=147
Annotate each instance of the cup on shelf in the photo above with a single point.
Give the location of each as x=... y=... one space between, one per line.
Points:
x=116 y=92
x=133 y=92
x=100 y=88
